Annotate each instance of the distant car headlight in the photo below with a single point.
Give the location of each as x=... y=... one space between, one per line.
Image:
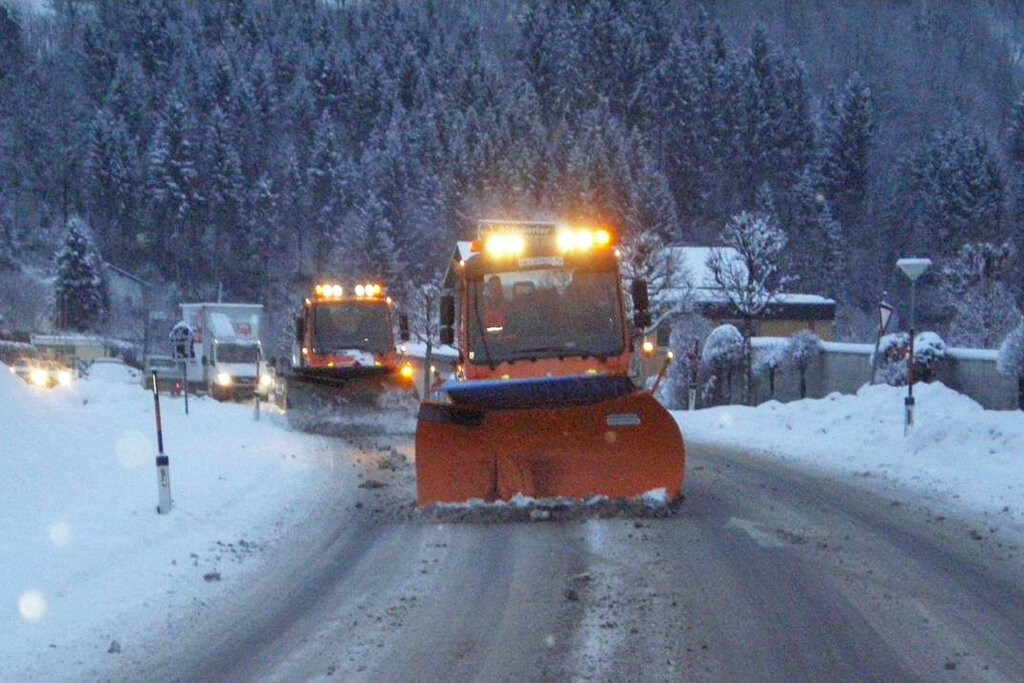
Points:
x=64 y=378
x=266 y=382
x=39 y=377
x=224 y=379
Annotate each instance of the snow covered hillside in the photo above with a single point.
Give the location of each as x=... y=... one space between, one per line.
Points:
x=84 y=558
x=971 y=457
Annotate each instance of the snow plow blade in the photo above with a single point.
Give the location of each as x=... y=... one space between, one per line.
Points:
x=370 y=403
x=619 y=447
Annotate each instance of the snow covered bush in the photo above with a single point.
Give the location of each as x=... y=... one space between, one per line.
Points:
x=929 y=349
x=723 y=354
x=770 y=358
x=891 y=361
x=686 y=330
x=801 y=350
x=1011 y=360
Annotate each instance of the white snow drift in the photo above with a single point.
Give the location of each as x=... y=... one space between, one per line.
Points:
x=971 y=457
x=84 y=558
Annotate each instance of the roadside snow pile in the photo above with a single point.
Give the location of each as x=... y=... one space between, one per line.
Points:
x=956 y=448
x=84 y=558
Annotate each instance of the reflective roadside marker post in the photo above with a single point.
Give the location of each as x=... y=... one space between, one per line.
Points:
x=184 y=382
x=256 y=392
x=913 y=268
x=163 y=465
x=694 y=374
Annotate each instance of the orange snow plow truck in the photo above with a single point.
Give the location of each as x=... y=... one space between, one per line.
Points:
x=543 y=403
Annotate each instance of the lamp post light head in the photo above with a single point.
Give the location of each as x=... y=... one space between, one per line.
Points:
x=914 y=268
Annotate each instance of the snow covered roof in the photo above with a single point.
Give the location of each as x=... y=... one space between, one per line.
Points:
x=76 y=339
x=126 y=274
x=463 y=247
x=463 y=250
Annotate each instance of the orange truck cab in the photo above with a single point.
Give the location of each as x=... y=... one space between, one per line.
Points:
x=543 y=403
x=344 y=333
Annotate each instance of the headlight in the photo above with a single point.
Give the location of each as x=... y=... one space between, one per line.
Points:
x=64 y=378
x=38 y=376
x=224 y=379
x=266 y=382
x=406 y=371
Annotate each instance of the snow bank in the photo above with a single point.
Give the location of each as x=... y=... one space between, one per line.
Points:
x=972 y=456
x=84 y=558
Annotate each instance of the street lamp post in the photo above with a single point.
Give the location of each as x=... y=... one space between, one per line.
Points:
x=913 y=268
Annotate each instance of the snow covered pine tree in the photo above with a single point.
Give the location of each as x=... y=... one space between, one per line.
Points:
x=80 y=294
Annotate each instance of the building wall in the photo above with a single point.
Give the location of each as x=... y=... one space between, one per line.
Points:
x=787 y=328
x=125 y=292
x=128 y=303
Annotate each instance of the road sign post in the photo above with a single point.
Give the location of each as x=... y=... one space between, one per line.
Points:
x=183 y=340
x=913 y=268
x=885 y=313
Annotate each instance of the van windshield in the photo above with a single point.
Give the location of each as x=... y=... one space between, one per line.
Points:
x=544 y=313
x=237 y=353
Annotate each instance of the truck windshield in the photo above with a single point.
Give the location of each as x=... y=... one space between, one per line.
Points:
x=544 y=313
x=352 y=325
x=237 y=353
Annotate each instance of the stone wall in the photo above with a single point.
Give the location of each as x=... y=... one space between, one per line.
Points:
x=844 y=368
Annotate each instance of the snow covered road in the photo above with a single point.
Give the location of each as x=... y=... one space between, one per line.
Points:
x=766 y=573
x=771 y=569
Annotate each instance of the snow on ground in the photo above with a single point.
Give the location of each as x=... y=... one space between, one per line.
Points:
x=84 y=558
x=971 y=457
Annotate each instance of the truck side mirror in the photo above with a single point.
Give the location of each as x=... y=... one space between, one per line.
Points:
x=403 y=327
x=641 y=305
x=447 y=334
x=300 y=329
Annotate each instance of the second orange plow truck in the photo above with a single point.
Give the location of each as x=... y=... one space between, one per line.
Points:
x=543 y=403
x=347 y=374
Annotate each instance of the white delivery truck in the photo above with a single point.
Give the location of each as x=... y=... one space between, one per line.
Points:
x=226 y=357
